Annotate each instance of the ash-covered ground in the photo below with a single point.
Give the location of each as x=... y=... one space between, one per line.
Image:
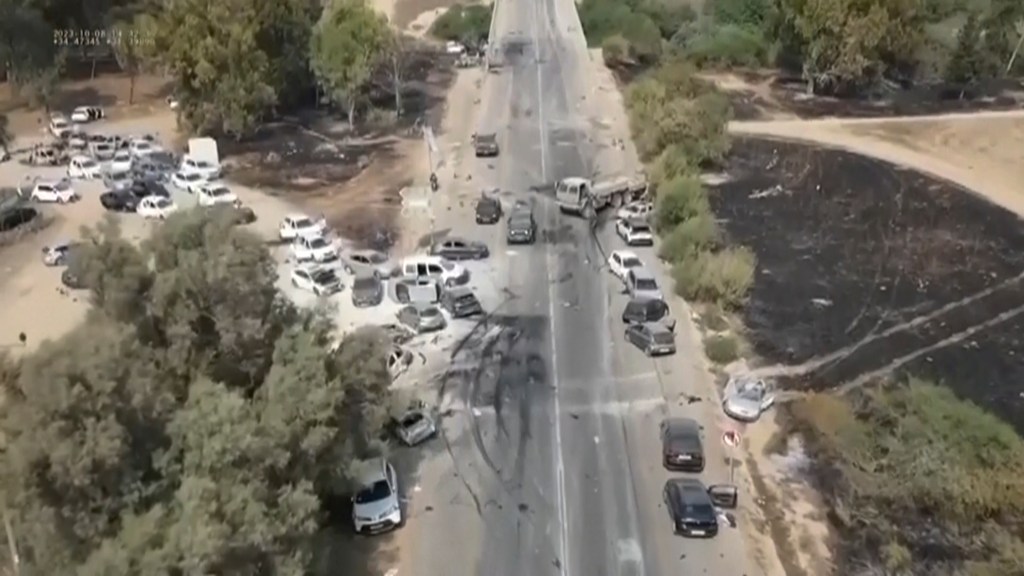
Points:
x=866 y=269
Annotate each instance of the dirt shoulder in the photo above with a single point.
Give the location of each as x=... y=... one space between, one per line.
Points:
x=982 y=151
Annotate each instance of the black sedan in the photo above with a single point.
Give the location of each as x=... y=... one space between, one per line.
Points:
x=488 y=210
x=119 y=201
x=691 y=508
x=143 y=187
x=460 y=249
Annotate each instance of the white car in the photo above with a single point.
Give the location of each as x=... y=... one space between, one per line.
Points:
x=620 y=262
x=84 y=114
x=315 y=248
x=84 y=167
x=635 y=232
x=122 y=161
x=60 y=127
x=78 y=141
x=746 y=398
x=61 y=192
x=376 y=507
x=189 y=182
x=454 y=48
x=214 y=194
x=141 y=147
x=642 y=210
x=319 y=281
x=191 y=165
x=156 y=207
x=297 y=225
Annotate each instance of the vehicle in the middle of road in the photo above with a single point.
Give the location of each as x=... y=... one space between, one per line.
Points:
x=315 y=248
x=84 y=167
x=415 y=426
x=691 y=508
x=682 y=447
x=460 y=302
x=60 y=191
x=441 y=270
x=488 y=209
x=485 y=145
x=521 y=228
x=454 y=248
x=421 y=318
x=635 y=232
x=367 y=291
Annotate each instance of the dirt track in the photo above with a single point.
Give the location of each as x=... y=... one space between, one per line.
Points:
x=980 y=151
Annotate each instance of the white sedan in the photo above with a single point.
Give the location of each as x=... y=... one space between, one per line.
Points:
x=190 y=182
x=214 y=194
x=635 y=210
x=298 y=225
x=122 y=161
x=84 y=167
x=156 y=207
x=635 y=232
x=620 y=262
x=142 y=147
x=209 y=170
x=61 y=192
x=60 y=127
x=315 y=248
x=319 y=281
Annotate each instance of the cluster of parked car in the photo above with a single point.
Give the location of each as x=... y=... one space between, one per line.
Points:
x=520 y=225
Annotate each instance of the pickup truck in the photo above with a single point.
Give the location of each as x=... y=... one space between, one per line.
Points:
x=583 y=197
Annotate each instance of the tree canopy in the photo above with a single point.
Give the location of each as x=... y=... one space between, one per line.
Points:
x=195 y=423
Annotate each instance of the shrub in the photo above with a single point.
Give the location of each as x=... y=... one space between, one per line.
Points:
x=643 y=36
x=714 y=318
x=671 y=163
x=669 y=15
x=754 y=14
x=728 y=46
x=467 y=24
x=679 y=200
x=722 y=348
x=616 y=50
x=697 y=233
x=723 y=278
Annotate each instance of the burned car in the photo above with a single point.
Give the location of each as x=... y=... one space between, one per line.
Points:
x=488 y=209
x=485 y=145
x=746 y=398
x=415 y=426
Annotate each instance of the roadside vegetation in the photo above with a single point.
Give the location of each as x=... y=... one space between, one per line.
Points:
x=919 y=482
x=469 y=25
x=195 y=424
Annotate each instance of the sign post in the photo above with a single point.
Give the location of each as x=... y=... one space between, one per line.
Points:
x=731 y=439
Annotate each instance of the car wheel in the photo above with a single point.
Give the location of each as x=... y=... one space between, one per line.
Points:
x=349 y=271
x=294 y=283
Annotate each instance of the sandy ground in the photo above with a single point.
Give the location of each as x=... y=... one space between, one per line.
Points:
x=984 y=153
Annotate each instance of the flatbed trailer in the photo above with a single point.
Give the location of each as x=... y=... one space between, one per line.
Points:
x=585 y=197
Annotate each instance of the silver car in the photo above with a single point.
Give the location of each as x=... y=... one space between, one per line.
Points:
x=421 y=318
x=415 y=427
x=746 y=398
x=117 y=180
x=367 y=262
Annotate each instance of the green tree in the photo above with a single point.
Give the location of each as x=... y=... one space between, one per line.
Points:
x=128 y=36
x=27 y=41
x=192 y=429
x=847 y=44
x=347 y=44
x=967 y=63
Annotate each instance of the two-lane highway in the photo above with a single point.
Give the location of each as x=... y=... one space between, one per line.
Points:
x=551 y=456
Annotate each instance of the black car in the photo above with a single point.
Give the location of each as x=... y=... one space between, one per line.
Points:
x=521 y=228
x=653 y=338
x=691 y=508
x=119 y=201
x=460 y=249
x=143 y=187
x=367 y=291
x=644 y=310
x=485 y=145
x=155 y=166
x=488 y=210
x=682 y=449
x=460 y=302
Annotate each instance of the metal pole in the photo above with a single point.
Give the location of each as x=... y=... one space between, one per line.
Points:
x=12 y=544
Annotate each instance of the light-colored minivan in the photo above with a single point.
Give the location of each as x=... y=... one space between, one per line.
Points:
x=436 y=268
x=641 y=283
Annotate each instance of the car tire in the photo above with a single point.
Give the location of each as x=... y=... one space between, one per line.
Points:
x=349 y=271
x=294 y=283
x=648 y=352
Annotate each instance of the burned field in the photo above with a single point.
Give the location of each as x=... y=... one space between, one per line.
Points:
x=867 y=270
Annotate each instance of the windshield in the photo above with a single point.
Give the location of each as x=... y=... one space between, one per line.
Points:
x=219 y=192
x=379 y=491
x=522 y=222
x=303 y=223
x=632 y=263
x=325 y=277
x=466 y=299
x=641 y=228
x=104 y=148
x=704 y=510
x=202 y=164
x=317 y=243
x=364 y=284
x=429 y=312
x=89 y=164
x=646 y=284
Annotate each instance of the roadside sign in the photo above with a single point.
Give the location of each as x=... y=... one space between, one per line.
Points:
x=731 y=438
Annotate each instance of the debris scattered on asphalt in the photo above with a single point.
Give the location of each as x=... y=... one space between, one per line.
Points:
x=523 y=507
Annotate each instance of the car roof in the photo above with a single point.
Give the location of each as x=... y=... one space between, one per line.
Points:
x=626 y=254
x=679 y=426
x=637 y=222
x=372 y=471
x=642 y=273
x=691 y=489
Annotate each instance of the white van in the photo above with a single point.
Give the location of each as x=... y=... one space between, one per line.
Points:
x=437 y=268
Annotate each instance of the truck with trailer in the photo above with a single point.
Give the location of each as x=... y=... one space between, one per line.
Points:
x=586 y=198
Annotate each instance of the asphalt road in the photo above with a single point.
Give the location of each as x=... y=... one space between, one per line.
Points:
x=551 y=420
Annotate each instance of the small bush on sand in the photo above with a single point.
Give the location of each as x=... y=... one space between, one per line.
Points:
x=714 y=318
x=697 y=233
x=616 y=50
x=723 y=278
x=678 y=200
x=722 y=348
x=467 y=24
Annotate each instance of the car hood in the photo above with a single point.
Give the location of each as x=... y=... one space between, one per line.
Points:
x=365 y=294
x=432 y=321
x=743 y=405
x=375 y=510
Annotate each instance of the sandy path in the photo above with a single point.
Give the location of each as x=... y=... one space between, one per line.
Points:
x=982 y=151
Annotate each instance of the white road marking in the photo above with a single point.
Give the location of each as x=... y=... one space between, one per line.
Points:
x=614 y=408
x=511 y=253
